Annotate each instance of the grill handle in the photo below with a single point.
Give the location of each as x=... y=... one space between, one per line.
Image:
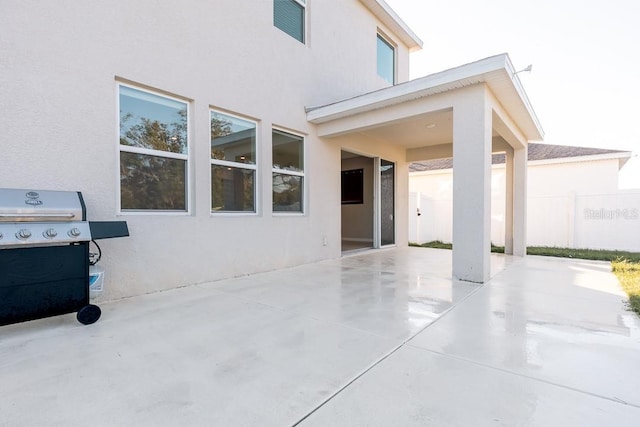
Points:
x=22 y=216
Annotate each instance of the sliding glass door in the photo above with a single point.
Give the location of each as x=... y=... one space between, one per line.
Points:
x=387 y=203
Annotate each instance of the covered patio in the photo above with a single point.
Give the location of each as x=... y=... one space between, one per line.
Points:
x=385 y=337
x=467 y=113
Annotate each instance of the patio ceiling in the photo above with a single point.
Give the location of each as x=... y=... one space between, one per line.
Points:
x=419 y=131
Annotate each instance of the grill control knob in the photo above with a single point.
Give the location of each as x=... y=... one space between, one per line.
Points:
x=50 y=233
x=74 y=232
x=23 y=234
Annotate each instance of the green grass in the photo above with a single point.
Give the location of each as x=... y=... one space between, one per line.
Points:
x=594 y=254
x=628 y=273
x=436 y=244
x=625 y=265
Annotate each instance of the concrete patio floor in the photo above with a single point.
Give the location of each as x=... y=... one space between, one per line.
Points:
x=382 y=338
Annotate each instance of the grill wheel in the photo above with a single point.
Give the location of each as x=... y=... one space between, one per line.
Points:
x=88 y=314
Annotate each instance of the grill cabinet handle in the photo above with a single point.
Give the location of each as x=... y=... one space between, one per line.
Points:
x=38 y=215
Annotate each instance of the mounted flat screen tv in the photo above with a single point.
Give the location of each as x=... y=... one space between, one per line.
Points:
x=353 y=187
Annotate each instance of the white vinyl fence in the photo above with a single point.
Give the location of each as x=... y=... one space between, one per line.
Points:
x=602 y=221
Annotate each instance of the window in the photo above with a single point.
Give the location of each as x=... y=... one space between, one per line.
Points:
x=386 y=60
x=288 y=15
x=153 y=151
x=233 y=164
x=288 y=172
x=353 y=187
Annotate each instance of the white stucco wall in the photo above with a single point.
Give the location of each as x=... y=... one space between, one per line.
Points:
x=570 y=204
x=59 y=65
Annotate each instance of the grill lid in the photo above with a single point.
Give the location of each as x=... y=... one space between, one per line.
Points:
x=18 y=205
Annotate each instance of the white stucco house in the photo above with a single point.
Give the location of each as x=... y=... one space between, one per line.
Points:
x=219 y=131
x=573 y=199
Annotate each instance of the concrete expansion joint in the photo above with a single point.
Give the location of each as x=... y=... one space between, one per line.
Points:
x=384 y=357
x=251 y=300
x=517 y=374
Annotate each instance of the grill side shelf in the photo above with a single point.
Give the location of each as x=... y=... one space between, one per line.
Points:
x=108 y=229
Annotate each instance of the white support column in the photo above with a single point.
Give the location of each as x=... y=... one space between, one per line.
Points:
x=520 y=201
x=472 y=118
x=508 y=209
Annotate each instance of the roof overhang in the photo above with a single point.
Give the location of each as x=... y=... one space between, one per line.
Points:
x=497 y=72
x=393 y=22
x=622 y=157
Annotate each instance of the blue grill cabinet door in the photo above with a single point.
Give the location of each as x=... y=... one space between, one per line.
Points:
x=40 y=282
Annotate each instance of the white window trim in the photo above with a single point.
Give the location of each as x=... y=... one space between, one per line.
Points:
x=234 y=164
x=227 y=163
x=288 y=172
x=393 y=46
x=305 y=33
x=152 y=152
x=305 y=188
x=158 y=153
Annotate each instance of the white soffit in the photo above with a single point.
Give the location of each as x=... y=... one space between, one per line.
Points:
x=496 y=71
x=392 y=21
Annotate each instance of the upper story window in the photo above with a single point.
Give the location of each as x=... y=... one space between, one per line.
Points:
x=153 y=151
x=386 y=60
x=233 y=163
x=288 y=15
x=288 y=172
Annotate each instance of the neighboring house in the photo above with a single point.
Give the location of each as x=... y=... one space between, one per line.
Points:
x=573 y=199
x=219 y=130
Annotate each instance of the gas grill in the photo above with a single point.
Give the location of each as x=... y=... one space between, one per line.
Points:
x=44 y=254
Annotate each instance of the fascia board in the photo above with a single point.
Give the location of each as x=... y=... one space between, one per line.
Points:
x=525 y=99
x=391 y=20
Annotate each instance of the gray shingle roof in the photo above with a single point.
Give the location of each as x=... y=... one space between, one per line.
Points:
x=537 y=151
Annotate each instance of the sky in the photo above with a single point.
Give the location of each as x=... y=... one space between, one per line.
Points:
x=585 y=81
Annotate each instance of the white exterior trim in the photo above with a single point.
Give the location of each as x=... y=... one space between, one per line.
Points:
x=188 y=158
x=155 y=153
x=394 y=47
x=234 y=164
x=391 y=19
x=304 y=174
x=288 y=172
x=227 y=163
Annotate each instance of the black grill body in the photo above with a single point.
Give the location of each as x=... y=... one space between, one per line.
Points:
x=38 y=282
x=44 y=254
